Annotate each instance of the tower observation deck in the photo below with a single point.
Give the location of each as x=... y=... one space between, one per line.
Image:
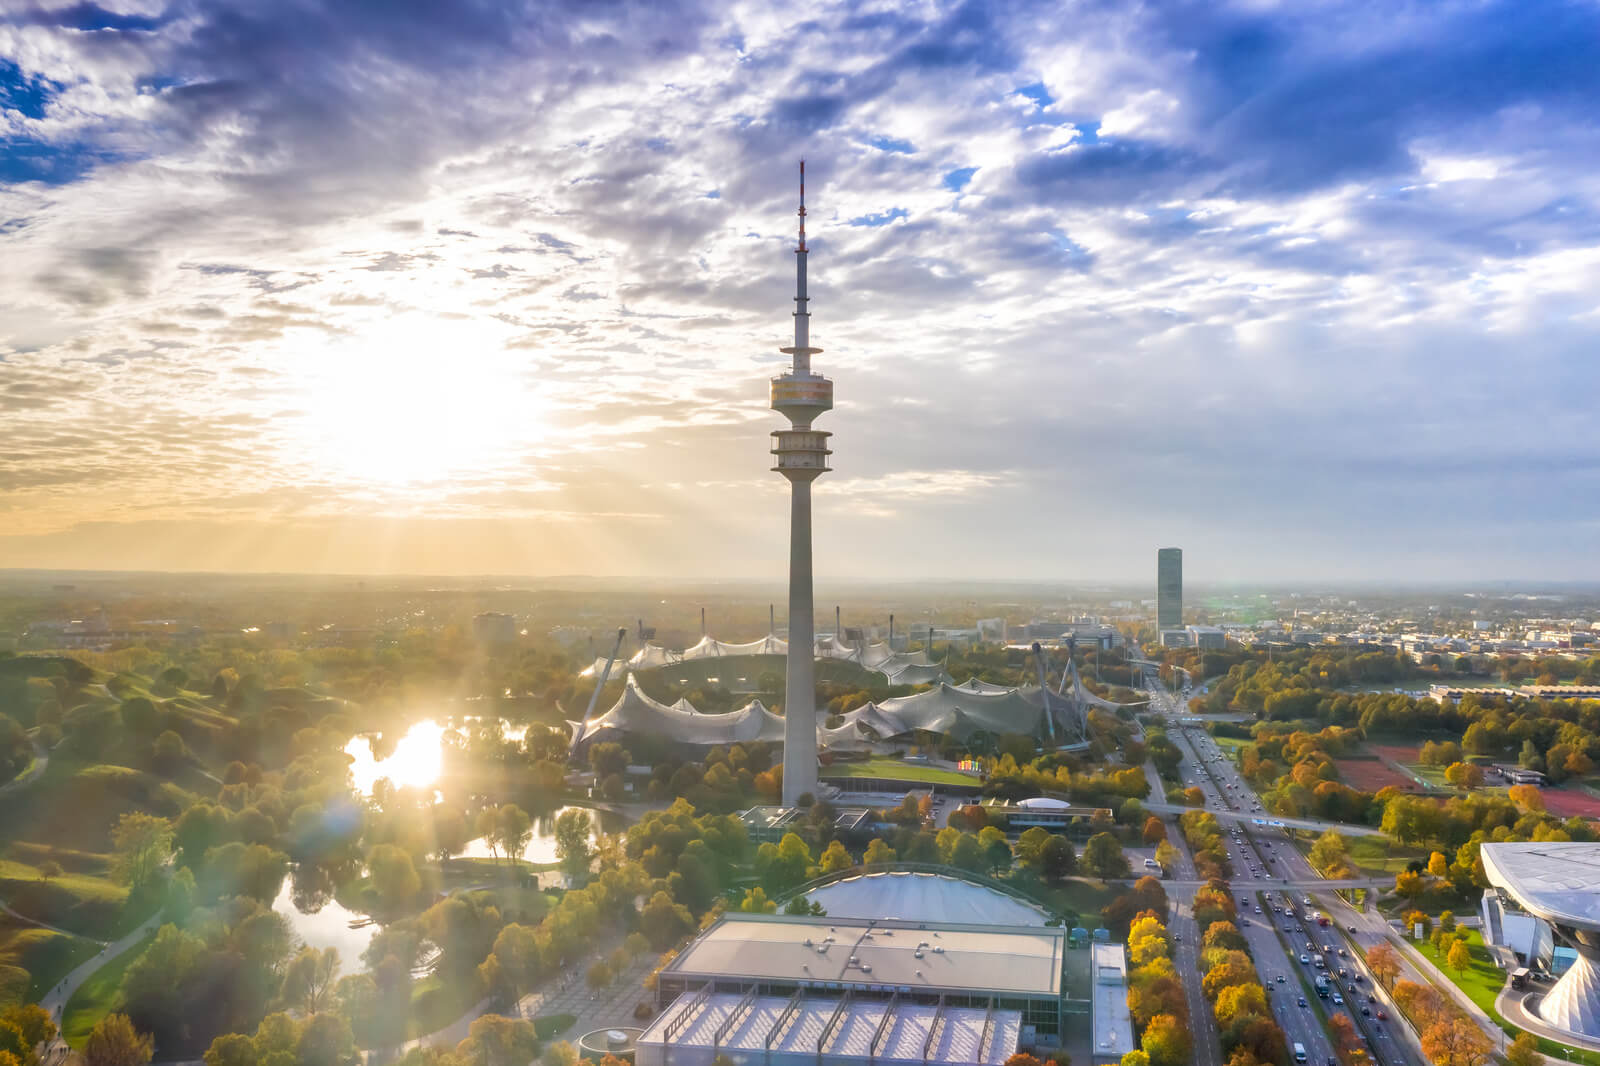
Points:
x=802 y=456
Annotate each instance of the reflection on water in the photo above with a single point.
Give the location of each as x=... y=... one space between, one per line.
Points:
x=327 y=926
x=415 y=760
x=413 y=763
x=542 y=847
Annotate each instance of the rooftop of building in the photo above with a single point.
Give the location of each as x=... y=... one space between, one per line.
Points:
x=924 y=957
x=1108 y=991
x=924 y=897
x=750 y=1025
x=1558 y=880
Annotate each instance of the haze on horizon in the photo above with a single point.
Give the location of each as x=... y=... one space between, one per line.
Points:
x=1307 y=290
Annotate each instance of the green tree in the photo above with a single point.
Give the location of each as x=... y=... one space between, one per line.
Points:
x=32 y=1021
x=308 y=980
x=1524 y=1051
x=756 y=902
x=232 y=1049
x=394 y=878
x=573 y=831
x=836 y=858
x=115 y=1042
x=1459 y=957
x=325 y=1040
x=141 y=844
x=878 y=852
x=516 y=829
x=1167 y=1042
x=1103 y=858
x=559 y=1053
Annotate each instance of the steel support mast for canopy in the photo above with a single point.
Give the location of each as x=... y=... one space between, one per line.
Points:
x=802 y=455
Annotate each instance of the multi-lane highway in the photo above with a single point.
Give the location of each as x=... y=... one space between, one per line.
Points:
x=1251 y=878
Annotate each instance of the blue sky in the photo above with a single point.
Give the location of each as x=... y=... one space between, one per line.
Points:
x=1306 y=288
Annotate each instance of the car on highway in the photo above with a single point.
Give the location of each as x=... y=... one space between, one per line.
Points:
x=1366 y=1011
x=1338 y=1000
x=1305 y=960
x=1382 y=1017
x=1280 y=978
x=1302 y=1001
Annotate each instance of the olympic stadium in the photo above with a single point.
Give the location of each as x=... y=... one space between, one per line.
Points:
x=961 y=711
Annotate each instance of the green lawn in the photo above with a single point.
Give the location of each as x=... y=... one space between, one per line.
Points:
x=1482 y=982
x=1376 y=855
x=896 y=770
x=436 y=1002
x=1084 y=897
x=97 y=996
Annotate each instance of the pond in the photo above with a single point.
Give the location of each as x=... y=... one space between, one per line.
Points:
x=542 y=847
x=417 y=758
x=324 y=923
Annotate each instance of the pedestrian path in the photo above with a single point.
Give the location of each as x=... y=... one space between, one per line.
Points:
x=55 y=1001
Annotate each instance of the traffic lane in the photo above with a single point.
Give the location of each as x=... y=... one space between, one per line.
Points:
x=1300 y=1024
x=1186 y=955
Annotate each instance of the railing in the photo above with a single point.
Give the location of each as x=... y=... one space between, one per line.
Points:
x=789 y=1012
x=883 y=1025
x=739 y=1011
x=677 y=1024
x=833 y=1022
x=934 y=1030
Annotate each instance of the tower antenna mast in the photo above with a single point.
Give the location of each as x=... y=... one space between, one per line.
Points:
x=802 y=456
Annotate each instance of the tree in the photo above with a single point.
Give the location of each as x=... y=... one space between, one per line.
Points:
x=1155 y=830
x=1103 y=858
x=1384 y=963
x=1527 y=797
x=357 y=996
x=1224 y=935
x=1524 y=1051
x=756 y=902
x=232 y=1049
x=1455 y=1041
x=1342 y=1031
x=32 y=1021
x=573 y=832
x=1464 y=775
x=49 y=870
x=115 y=1042
x=494 y=1040
x=1438 y=865
x=877 y=852
x=1136 y=1057
x=664 y=921
x=1166 y=1041
x=1167 y=856
x=141 y=843
x=325 y=1040
x=599 y=975
x=835 y=858
x=308 y=979
x=394 y=878
x=1238 y=1001
x=1408 y=883
x=1459 y=957
x=559 y=1053
x=515 y=828
x=1329 y=853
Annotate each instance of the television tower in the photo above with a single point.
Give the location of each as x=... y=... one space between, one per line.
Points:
x=800 y=396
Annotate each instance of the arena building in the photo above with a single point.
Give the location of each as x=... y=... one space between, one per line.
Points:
x=1558 y=882
x=960 y=974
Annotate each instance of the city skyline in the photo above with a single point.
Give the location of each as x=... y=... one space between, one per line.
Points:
x=494 y=292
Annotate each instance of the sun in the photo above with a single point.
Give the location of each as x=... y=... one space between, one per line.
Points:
x=418 y=400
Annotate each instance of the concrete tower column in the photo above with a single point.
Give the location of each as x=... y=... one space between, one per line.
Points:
x=799 y=692
x=802 y=456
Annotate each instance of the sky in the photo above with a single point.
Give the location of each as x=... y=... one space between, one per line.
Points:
x=383 y=286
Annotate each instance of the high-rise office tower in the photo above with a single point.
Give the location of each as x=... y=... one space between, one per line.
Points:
x=1169 y=588
x=800 y=396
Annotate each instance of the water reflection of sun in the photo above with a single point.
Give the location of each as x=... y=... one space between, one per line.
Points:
x=414 y=763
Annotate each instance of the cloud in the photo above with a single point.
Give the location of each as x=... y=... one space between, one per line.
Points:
x=1249 y=278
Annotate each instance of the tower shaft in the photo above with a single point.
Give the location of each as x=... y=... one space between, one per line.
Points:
x=802 y=456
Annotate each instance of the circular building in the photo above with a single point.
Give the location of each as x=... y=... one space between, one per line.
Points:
x=923 y=897
x=1560 y=883
x=616 y=1041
